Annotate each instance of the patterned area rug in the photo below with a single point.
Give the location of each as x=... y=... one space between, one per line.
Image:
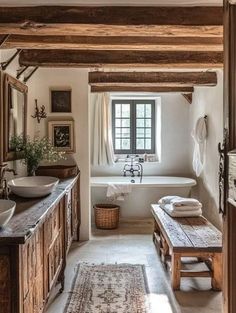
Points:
x=112 y=288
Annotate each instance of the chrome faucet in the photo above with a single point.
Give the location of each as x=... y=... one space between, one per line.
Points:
x=3 y=182
x=133 y=167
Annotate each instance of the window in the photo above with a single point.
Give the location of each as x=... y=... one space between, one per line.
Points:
x=133 y=126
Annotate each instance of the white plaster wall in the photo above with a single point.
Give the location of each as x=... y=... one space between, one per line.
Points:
x=175 y=142
x=209 y=101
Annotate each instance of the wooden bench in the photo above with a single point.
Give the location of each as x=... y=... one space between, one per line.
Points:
x=188 y=237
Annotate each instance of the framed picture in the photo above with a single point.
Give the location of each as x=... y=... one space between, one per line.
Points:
x=61 y=134
x=60 y=101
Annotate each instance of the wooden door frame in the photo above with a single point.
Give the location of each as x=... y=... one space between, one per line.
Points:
x=229 y=217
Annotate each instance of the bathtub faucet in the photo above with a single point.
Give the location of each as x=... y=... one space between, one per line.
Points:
x=133 y=167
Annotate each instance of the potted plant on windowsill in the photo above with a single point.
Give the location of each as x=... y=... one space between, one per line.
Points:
x=33 y=151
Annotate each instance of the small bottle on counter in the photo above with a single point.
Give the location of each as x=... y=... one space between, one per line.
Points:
x=145 y=157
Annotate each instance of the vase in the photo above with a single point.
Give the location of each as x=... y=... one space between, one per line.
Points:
x=31 y=168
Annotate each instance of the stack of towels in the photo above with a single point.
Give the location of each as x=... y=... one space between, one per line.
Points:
x=177 y=206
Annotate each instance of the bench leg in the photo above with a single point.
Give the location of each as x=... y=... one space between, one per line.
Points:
x=175 y=270
x=216 y=281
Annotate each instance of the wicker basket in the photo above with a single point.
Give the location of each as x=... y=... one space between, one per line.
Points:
x=106 y=216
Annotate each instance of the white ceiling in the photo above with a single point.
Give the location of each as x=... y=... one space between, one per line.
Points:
x=113 y=2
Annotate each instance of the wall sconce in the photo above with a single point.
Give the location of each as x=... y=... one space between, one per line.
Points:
x=39 y=112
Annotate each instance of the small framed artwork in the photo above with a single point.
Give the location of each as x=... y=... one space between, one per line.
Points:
x=61 y=134
x=60 y=100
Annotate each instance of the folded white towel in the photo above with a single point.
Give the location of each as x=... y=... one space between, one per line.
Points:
x=118 y=191
x=168 y=199
x=180 y=201
x=186 y=202
x=169 y=208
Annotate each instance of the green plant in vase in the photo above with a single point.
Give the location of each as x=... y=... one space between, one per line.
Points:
x=33 y=151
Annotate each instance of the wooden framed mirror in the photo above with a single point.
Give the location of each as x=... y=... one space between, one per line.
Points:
x=14 y=113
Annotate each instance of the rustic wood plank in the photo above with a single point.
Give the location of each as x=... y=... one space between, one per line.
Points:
x=97 y=30
x=116 y=15
x=131 y=88
x=187 y=79
x=80 y=58
x=184 y=273
x=206 y=231
x=174 y=235
x=114 y=43
x=198 y=235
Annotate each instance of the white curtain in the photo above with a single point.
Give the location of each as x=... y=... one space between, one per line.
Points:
x=103 y=152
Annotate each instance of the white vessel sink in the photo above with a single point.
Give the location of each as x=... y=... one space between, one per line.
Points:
x=7 y=208
x=33 y=186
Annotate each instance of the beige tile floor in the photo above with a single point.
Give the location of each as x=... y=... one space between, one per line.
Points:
x=132 y=243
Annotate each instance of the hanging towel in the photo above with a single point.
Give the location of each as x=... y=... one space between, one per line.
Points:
x=199 y=135
x=118 y=191
x=172 y=211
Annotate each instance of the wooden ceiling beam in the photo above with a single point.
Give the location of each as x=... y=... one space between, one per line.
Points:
x=96 y=30
x=106 y=58
x=114 y=43
x=187 y=79
x=112 y=15
x=135 y=88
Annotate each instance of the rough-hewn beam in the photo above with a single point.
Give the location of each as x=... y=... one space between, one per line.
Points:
x=96 y=30
x=153 y=78
x=106 y=58
x=113 y=15
x=136 y=88
x=114 y=43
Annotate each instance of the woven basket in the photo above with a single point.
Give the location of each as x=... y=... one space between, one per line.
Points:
x=106 y=216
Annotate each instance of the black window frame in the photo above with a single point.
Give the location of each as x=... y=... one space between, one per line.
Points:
x=133 y=120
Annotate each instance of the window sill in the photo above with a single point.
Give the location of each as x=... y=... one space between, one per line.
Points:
x=152 y=158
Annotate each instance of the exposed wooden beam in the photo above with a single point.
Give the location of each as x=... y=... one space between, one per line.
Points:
x=113 y=15
x=114 y=43
x=96 y=30
x=123 y=88
x=187 y=79
x=106 y=58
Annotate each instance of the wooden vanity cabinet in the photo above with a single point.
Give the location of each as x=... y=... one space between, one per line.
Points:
x=30 y=270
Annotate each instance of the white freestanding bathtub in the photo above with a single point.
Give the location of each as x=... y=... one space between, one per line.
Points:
x=150 y=190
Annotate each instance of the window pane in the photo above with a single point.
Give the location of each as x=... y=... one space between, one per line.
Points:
x=140 y=132
x=148 y=132
x=125 y=110
x=140 y=110
x=118 y=132
x=118 y=122
x=148 y=123
x=118 y=110
x=148 y=144
x=125 y=132
x=125 y=145
x=140 y=123
x=117 y=144
x=140 y=144
x=126 y=122
x=148 y=110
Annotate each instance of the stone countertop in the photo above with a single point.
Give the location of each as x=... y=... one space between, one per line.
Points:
x=30 y=213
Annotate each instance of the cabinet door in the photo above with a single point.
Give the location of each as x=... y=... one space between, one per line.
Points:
x=32 y=273
x=53 y=247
